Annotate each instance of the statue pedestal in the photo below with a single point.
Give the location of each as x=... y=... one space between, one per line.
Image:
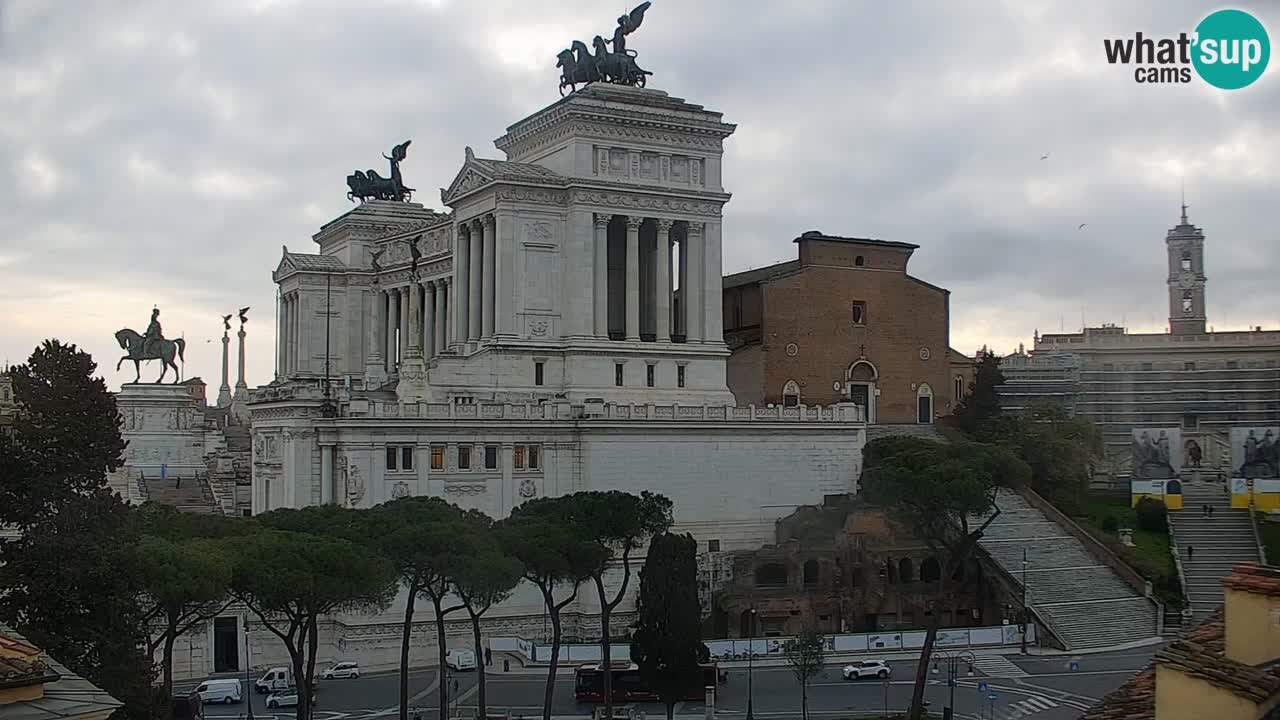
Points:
x=164 y=426
x=413 y=380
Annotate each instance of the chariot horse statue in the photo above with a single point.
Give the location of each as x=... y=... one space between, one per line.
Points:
x=151 y=346
x=578 y=66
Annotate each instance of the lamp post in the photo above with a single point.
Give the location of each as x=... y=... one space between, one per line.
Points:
x=1024 y=601
x=248 y=678
x=952 y=660
x=751 y=652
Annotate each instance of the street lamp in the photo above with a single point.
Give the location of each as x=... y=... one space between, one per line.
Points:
x=248 y=678
x=951 y=661
x=751 y=653
x=1024 y=601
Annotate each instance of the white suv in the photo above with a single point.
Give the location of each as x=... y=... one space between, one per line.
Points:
x=866 y=669
x=342 y=670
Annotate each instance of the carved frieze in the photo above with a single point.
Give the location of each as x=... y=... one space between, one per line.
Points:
x=465 y=488
x=541 y=196
x=400 y=490
x=636 y=201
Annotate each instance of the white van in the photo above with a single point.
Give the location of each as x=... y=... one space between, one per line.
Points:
x=460 y=659
x=224 y=690
x=277 y=678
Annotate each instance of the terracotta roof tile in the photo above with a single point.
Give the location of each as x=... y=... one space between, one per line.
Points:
x=1254 y=578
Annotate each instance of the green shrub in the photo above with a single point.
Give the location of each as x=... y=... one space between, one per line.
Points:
x=1152 y=515
x=1110 y=524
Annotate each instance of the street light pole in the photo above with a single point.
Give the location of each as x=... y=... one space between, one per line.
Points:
x=751 y=653
x=952 y=663
x=1024 y=601
x=248 y=678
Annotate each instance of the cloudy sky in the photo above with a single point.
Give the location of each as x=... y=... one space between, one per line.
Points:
x=160 y=153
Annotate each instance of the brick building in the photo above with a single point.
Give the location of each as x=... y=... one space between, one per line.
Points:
x=843 y=323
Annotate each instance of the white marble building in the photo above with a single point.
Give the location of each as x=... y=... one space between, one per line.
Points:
x=562 y=332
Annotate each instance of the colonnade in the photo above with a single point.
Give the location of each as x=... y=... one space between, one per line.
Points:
x=411 y=321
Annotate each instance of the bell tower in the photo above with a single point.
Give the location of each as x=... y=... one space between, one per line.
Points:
x=1186 y=278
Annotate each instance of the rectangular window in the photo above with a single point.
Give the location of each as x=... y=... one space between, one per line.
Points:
x=392 y=455
x=537 y=373
x=533 y=457
x=1188 y=366
x=406 y=458
x=648 y=376
x=617 y=374
x=437 y=457
x=1190 y=422
x=490 y=457
x=464 y=457
x=713 y=546
x=859 y=313
x=517 y=458
x=679 y=376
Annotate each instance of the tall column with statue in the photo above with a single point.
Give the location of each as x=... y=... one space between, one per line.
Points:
x=224 y=390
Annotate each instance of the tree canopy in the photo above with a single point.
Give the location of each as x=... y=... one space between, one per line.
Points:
x=981 y=401
x=668 y=638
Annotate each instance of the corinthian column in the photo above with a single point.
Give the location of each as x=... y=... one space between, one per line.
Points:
x=601 y=282
x=662 y=284
x=489 y=283
x=474 y=304
x=461 y=284
x=430 y=323
x=633 y=276
x=414 y=349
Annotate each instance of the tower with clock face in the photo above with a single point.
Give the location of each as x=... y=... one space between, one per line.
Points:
x=1186 y=278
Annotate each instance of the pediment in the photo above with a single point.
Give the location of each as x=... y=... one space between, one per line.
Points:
x=471 y=176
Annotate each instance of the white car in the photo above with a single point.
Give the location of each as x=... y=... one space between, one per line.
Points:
x=866 y=669
x=342 y=670
x=460 y=659
x=286 y=698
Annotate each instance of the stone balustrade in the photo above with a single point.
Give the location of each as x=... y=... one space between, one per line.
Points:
x=604 y=412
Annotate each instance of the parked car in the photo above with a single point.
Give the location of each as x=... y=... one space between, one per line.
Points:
x=286 y=698
x=220 y=690
x=277 y=678
x=866 y=669
x=460 y=659
x=186 y=706
x=342 y=670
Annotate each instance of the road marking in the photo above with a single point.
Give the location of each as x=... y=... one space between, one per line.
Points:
x=998 y=666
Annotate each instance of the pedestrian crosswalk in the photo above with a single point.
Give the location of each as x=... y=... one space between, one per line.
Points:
x=998 y=666
x=1030 y=706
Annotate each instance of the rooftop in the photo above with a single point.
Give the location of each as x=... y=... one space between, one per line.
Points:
x=67 y=696
x=751 y=277
x=819 y=235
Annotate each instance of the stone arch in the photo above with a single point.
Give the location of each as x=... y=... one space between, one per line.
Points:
x=930 y=570
x=861 y=379
x=811 y=572
x=924 y=404
x=745 y=623
x=771 y=574
x=790 y=394
x=890 y=572
x=906 y=572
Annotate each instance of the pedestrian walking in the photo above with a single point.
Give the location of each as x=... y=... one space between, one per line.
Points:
x=488 y=658
x=1190 y=552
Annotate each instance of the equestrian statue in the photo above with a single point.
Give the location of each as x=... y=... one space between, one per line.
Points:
x=151 y=346
x=578 y=66
x=369 y=185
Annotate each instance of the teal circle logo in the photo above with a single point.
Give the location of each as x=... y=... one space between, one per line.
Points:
x=1231 y=49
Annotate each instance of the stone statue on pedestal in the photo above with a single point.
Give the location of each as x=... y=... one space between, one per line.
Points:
x=619 y=67
x=151 y=346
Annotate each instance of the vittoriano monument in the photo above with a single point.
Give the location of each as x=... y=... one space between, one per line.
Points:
x=579 y=66
x=150 y=346
x=369 y=185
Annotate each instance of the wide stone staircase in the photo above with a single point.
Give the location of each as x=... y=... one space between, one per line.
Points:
x=187 y=494
x=1219 y=543
x=1082 y=600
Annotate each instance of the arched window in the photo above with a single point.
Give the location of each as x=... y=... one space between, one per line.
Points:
x=924 y=404
x=890 y=572
x=1186 y=260
x=791 y=394
x=745 y=628
x=905 y=571
x=771 y=574
x=859 y=261
x=959 y=388
x=930 y=570
x=811 y=572
x=1187 y=304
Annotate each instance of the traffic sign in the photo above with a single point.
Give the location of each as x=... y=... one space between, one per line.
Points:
x=982 y=686
x=1075 y=666
x=992 y=697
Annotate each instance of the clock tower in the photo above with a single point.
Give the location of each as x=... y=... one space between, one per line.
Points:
x=1186 y=278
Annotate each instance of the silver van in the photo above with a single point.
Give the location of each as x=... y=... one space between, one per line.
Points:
x=219 y=690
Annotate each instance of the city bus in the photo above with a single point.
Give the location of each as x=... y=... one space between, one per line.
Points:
x=627 y=686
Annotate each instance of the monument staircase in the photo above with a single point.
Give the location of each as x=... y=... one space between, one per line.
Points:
x=1079 y=598
x=1219 y=543
x=187 y=494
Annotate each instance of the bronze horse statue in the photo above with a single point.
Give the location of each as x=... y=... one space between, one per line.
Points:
x=165 y=351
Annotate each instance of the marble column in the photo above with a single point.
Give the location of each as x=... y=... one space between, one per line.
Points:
x=326 y=475
x=712 y=296
x=489 y=282
x=279 y=337
x=393 y=324
x=293 y=332
x=403 y=313
x=601 y=281
x=429 y=340
x=224 y=390
x=461 y=284
x=633 y=276
x=693 y=313
x=662 y=283
x=241 y=385
x=682 y=325
x=414 y=348
x=444 y=328
x=475 y=310
x=373 y=326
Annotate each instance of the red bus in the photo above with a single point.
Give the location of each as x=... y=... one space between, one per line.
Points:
x=627 y=686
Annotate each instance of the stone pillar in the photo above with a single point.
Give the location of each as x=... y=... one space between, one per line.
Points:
x=279 y=338
x=293 y=333
x=475 y=309
x=373 y=366
x=388 y=331
x=712 y=295
x=429 y=340
x=301 y=327
x=601 y=282
x=241 y=386
x=405 y=323
x=633 y=276
x=462 y=284
x=326 y=475
x=508 y=275
x=488 y=283
x=414 y=348
x=662 y=283
x=393 y=325
x=286 y=334
x=681 y=324
x=693 y=312
x=444 y=324
x=224 y=390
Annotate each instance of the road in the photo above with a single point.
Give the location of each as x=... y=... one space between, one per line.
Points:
x=1043 y=688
